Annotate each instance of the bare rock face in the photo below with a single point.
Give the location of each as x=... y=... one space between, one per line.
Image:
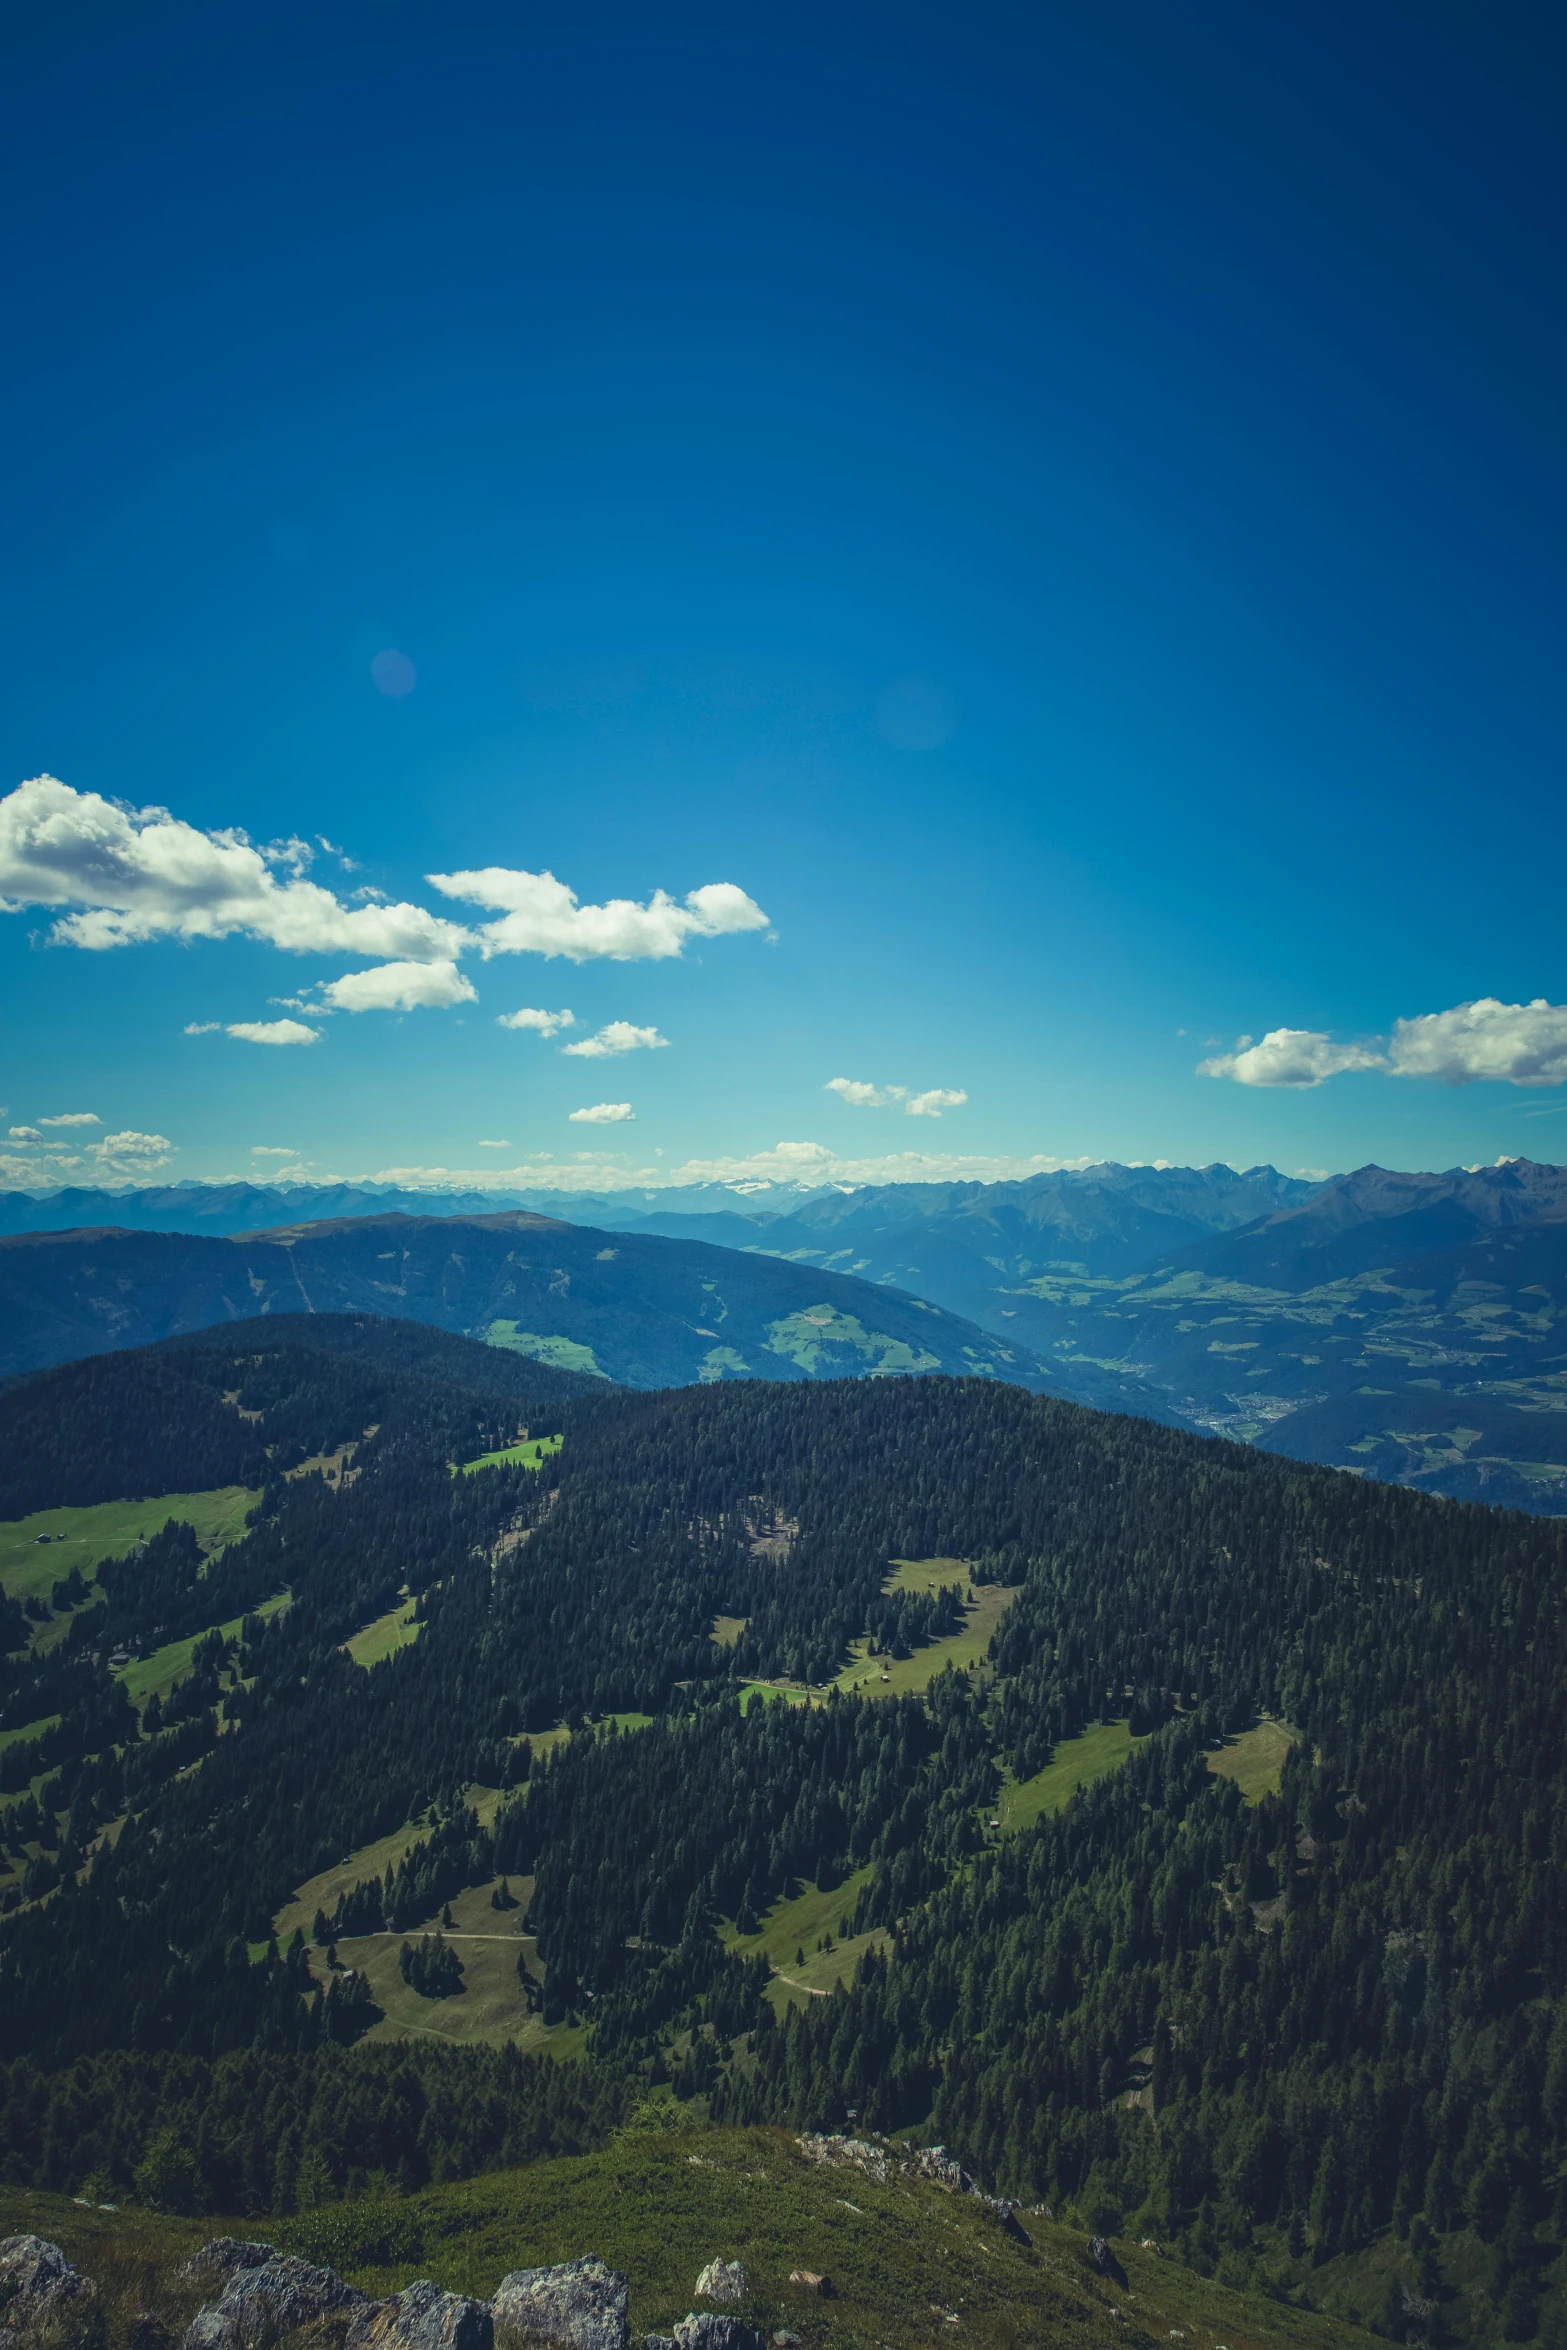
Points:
x=38 y=2282
x=704 y=2329
x=219 y=2259
x=581 y=2305
x=721 y=2280
x=422 y=2317
x=260 y=2304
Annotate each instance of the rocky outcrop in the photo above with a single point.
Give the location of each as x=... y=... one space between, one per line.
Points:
x=261 y=2303
x=721 y=2280
x=422 y=2317
x=810 y=2280
x=38 y=2283
x=220 y=2258
x=704 y=2329
x=581 y=2305
x=882 y=2163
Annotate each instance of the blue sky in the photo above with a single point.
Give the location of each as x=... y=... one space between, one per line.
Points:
x=1060 y=511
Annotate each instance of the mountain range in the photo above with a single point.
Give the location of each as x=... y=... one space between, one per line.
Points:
x=1411 y=1326
x=635 y=1309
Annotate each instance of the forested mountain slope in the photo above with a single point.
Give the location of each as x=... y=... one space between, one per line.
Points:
x=1412 y=1327
x=1295 y=2028
x=645 y=1311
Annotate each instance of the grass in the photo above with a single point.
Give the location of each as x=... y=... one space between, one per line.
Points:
x=562 y=1354
x=395 y=1630
x=83 y=1537
x=1255 y=1759
x=727 y=1629
x=798 y=1924
x=984 y=1606
x=370 y=1860
x=23 y=1730
x=489 y=2009
x=157 y=1673
x=1077 y=1762
x=530 y=1452
x=660 y=2203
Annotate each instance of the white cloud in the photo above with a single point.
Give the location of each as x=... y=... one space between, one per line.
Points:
x=73 y=1118
x=862 y=1096
x=273 y=1150
x=538 y=915
x=202 y=1027
x=132 y=1149
x=1289 y=1056
x=501 y=1145
x=604 y=1114
x=398 y=987
x=25 y=1134
x=139 y=874
x=805 y=1164
x=272 y=1032
x=1511 y=1044
x=617 y=1037
x=542 y=1023
x=1518 y=1044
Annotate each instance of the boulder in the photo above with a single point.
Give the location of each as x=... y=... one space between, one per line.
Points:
x=278 y=2296
x=38 y=2282
x=581 y=2305
x=219 y=2259
x=422 y=2317
x=721 y=2280
x=809 y=2281
x=704 y=2329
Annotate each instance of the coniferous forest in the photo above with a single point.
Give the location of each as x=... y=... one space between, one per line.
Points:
x=1332 y=2012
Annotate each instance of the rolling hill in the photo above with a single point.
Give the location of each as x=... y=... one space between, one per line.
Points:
x=636 y=1309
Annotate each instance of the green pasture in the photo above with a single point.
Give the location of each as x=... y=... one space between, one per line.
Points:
x=108 y=1529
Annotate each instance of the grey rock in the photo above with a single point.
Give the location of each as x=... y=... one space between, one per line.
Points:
x=219 y=2259
x=422 y=2317
x=580 y=2305
x=721 y=2280
x=704 y=2329
x=38 y=2282
x=258 y=2306
x=147 y=2331
x=649 y=2342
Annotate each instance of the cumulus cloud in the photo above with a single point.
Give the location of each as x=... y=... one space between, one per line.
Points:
x=273 y=1150
x=138 y=874
x=538 y=915
x=618 y=1036
x=131 y=1148
x=398 y=987
x=494 y=1145
x=1510 y=1044
x=1289 y=1056
x=202 y=1027
x=25 y=1134
x=272 y=1032
x=1519 y=1044
x=604 y=1114
x=862 y=1096
x=73 y=1118
x=541 y=1023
